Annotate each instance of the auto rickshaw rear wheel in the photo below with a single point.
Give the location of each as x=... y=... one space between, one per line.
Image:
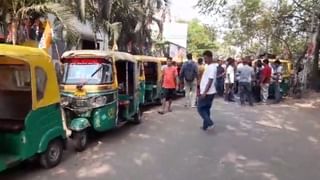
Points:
x=80 y=140
x=137 y=118
x=53 y=155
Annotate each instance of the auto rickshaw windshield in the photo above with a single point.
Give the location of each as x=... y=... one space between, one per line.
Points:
x=88 y=73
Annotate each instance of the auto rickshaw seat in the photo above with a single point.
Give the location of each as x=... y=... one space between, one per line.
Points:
x=14 y=107
x=11 y=126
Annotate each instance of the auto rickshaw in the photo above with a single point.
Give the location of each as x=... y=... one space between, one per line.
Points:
x=31 y=124
x=287 y=70
x=100 y=91
x=152 y=69
x=142 y=81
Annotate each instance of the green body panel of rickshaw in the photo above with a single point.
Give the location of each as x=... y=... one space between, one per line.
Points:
x=152 y=93
x=284 y=88
x=40 y=128
x=100 y=119
x=142 y=92
x=128 y=111
x=104 y=118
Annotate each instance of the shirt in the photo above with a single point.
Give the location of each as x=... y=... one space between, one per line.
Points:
x=210 y=72
x=277 y=71
x=201 y=69
x=230 y=73
x=266 y=75
x=220 y=71
x=169 y=77
x=245 y=73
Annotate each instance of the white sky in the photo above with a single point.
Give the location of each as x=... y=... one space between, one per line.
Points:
x=184 y=9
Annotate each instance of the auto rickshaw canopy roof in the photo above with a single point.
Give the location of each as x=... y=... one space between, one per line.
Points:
x=150 y=59
x=102 y=54
x=35 y=58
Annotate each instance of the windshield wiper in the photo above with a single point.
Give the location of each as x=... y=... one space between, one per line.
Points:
x=80 y=85
x=97 y=70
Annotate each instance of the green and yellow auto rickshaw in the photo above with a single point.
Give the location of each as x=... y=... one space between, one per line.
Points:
x=100 y=91
x=142 y=81
x=287 y=70
x=30 y=117
x=152 y=70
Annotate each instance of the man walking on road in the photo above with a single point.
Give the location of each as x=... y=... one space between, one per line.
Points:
x=207 y=91
x=245 y=83
x=189 y=75
x=169 y=84
x=265 y=81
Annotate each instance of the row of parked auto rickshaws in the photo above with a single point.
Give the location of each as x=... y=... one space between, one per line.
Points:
x=98 y=91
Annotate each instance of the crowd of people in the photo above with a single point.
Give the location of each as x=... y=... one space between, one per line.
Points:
x=209 y=77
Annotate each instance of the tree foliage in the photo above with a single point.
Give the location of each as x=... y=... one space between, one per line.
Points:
x=200 y=37
x=282 y=27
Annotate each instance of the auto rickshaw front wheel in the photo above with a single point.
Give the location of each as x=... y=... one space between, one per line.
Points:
x=53 y=155
x=80 y=140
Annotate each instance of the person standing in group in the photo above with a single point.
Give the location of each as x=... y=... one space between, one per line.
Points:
x=256 y=85
x=229 y=81
x=201 y=68
x=189 y=75
x=207 y=91
x=169 y=85
x=277 y=77
x=238 y=65
x=246 y=74
x=220 y=79
x=265 y=81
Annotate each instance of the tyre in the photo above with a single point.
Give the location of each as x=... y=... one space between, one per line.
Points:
x=137 y=118
x=53 y=155
x=80 y=140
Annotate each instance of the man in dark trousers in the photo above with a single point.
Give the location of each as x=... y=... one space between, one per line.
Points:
x=207 y=91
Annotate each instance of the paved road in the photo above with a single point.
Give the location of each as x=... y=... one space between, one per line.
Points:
x=280 y=143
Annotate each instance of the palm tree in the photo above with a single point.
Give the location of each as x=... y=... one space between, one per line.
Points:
x=125 y=20
x=19 y=10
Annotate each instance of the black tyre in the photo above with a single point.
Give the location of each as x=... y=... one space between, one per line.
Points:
x=53 y=155
x=80 y=140
x=137 y=118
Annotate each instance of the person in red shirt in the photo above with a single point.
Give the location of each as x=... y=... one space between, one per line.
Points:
x=265 y=80
x=169 y=84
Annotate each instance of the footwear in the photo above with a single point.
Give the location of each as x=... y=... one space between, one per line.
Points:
x=203 y=128
x=208 y=128
x=211 y=127
x=161 y=112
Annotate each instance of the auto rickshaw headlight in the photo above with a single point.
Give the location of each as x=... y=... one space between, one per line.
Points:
x=65 y=101
x=99 y=101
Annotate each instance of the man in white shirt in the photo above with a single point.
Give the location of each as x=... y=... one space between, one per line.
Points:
x=207 y=91
x=229 y=81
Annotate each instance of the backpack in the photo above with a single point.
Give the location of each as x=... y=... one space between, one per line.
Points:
x=189 y=72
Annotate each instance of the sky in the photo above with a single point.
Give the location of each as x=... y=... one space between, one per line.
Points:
x=184 y=9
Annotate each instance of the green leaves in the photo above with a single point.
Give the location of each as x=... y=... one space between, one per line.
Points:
x=200 y=37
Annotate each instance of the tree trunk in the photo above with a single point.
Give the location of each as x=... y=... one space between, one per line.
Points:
x=315 y=67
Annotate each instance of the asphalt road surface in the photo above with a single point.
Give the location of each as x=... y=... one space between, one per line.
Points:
x=265 y=142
